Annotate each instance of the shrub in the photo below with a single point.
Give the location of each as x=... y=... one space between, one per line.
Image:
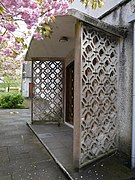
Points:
x=11 y=100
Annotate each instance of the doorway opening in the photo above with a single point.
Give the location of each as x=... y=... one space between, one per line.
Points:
x=70 y=94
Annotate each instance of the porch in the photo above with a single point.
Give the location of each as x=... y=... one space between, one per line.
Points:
x=59 y=145
x=75 y=81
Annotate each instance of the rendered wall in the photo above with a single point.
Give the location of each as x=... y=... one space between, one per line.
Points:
x=26 y=78
x=118 y=18
x=25 y=86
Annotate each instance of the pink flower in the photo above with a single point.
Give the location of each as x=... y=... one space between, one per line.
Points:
x=8 y=36
x=10 y=26
x=1 y=38
x=30 y=12
x=25 y=15
x=33 y=5
x=38 y=36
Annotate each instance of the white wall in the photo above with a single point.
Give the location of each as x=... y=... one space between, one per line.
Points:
x=25 y=87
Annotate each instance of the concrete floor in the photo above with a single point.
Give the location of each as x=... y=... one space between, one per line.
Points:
x=59 y=142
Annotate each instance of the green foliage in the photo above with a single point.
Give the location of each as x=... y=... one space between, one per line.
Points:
x=2 y=89
x=11 y=100
x=94 y=3
x=9 y=82
x=1 y=9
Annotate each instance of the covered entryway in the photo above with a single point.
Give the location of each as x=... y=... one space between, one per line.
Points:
x=76 y=83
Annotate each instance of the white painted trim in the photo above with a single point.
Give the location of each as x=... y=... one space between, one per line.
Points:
x=71 y=126
x=133 y=106
x=132 y=19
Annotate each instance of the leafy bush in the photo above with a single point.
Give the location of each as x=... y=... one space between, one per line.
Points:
x=11 y=100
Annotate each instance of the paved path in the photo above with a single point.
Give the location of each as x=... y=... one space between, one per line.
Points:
x=22 y=156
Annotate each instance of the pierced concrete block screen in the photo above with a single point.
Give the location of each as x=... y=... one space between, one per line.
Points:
x=47 y=91
x=98 y=94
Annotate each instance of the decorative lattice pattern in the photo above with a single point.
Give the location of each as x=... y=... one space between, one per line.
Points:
x=47 y=91
x=99 y=94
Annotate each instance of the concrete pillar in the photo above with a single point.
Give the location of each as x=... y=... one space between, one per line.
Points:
x=77 y=96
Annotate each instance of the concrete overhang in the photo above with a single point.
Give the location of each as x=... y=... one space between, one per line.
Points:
x=52 y=47
x=65 y=26
x=98 y=23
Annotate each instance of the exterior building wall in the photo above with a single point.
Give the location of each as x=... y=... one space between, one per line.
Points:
x=25 y=87
x=119 y=18
x=26 y=78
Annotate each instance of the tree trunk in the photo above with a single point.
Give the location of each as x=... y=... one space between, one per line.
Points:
x=8 y=87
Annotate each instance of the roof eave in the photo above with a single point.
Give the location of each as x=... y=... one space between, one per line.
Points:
x=97 y=23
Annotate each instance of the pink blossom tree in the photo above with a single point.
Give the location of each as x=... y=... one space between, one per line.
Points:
x=35 y=15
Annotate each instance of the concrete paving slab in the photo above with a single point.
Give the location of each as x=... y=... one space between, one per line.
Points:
x=4 y=155
x=22 y=156
x=42 y=174
x=6 y=178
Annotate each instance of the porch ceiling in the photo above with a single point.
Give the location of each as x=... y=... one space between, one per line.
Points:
x=65 y=26
x=52 y=47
